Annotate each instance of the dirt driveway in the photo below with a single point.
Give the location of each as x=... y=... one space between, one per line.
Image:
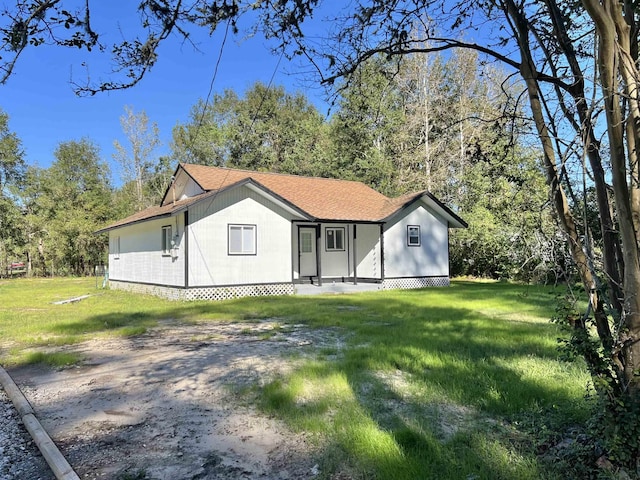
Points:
x=163 y=404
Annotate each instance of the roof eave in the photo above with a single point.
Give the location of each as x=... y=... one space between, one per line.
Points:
x=288 y=205
x=141 y=220
x=453 y=220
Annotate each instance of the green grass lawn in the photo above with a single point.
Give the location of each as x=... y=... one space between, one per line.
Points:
x=443 y=383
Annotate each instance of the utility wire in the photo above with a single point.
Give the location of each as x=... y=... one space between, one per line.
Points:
x=264 y=97
x=194 y=135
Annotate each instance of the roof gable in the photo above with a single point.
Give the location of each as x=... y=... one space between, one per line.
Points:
x=321 y=198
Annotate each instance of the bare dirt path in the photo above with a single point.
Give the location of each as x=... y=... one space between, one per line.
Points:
x=162 y=405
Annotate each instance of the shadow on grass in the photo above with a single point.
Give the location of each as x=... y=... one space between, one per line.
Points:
x=473 y=347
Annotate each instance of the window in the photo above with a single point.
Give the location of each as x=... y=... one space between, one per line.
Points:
x=413 y=235
x=116 y=247
x=242 y=239
x=166 y=240
x=334 y=238
x=305 y=242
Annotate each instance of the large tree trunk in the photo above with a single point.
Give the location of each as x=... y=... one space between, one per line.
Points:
x=612 y=253
x=614 y=62
x=558 y=196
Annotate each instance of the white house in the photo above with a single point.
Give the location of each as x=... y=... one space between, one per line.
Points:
x=221 y=233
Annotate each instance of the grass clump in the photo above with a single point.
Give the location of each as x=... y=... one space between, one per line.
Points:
x=51 y=359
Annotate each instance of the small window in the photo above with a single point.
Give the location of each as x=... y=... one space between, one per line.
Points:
x=242 y=239
x=334 y=239
x=166 y=240
x=413 y=235
x=306 y=239
x=116 y=248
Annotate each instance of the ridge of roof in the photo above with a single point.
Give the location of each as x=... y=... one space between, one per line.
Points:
x=278 y=174
x=320 y=198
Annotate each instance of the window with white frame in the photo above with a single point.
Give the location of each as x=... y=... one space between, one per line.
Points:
x=166 y=240
x=334 y=239
x=242 y=239
x=413 y=235
x=116 y=247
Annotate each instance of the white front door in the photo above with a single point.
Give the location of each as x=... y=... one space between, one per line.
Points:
x=307 y=251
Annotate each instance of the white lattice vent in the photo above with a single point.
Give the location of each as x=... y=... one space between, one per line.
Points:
x=414 y=282
x=205 y=293
x=226 y=293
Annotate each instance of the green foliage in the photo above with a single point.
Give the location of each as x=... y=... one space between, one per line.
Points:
x=430 y=123
x=614 y=426
x=65 y=205
x=511 y=231
x=616 y=421
x=12 y=170
x=267 y=130
x=11 y=155
x=135 y=159
x=365 y=127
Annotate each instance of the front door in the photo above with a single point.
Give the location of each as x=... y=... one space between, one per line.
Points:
x=307 y=251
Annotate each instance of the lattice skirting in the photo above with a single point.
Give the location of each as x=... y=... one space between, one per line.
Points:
x=225 y=293
x=414 y=282
x=205 y=293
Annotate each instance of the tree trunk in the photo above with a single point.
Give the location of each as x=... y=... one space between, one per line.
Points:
x=558 y=196
x=614 y=62
x=612 y=253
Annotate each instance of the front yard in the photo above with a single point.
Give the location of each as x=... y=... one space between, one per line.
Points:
x=462 y=382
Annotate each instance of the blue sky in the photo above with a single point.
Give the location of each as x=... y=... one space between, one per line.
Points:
x=44 y=111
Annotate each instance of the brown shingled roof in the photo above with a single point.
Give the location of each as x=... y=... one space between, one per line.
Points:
x=321 y=198
x=153 y=212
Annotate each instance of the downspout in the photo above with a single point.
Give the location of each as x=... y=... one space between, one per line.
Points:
x=293 y=255
x=186 y=248
x=318 y=256
x=355 y=257
x=381 y=252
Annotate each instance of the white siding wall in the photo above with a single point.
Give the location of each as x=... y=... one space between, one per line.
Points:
x=335 y=263
x=183 y=187
x=340 y=264
x=141 y=258
x=431 y=258
x=191 y=189
x=209 y=261
x=368 y=251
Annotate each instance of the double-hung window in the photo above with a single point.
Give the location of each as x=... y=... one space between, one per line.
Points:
x=242 y=239
x=413 y=235
x=334 y=238
x=166 y=240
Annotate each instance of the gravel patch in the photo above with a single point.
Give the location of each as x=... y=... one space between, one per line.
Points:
x=20 y=459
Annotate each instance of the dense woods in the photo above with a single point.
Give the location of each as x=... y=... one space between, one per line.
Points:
x=389 y=129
